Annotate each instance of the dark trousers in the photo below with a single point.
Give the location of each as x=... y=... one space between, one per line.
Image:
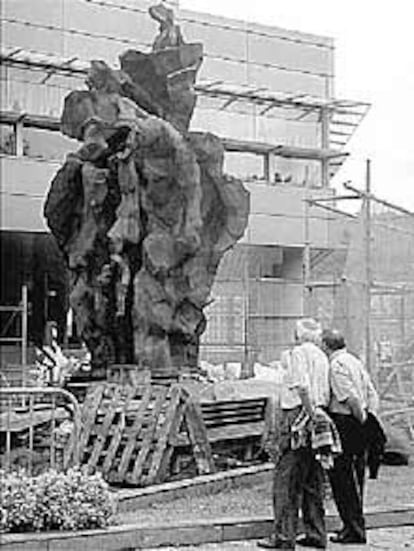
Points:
x=348 y=475
x=298 y=482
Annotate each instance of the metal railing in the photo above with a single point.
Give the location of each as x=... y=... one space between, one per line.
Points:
x=20 y=426
x=12 y=312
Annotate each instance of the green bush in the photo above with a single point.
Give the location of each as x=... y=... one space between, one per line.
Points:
x=54 y=501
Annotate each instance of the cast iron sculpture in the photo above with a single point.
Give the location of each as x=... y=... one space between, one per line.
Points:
x=142 y=210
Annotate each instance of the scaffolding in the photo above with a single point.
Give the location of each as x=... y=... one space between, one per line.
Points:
x=371 y=295
x=14 y=325
x=338 y=118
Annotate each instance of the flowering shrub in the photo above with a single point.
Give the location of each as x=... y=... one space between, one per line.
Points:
x=54 y=501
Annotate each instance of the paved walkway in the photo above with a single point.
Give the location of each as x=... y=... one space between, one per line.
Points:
x=400 y=538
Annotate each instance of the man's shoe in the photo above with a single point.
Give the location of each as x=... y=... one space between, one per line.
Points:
x=273 y=543
x=348 y=538
x=306 y=541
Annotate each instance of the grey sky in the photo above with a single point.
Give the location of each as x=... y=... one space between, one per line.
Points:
x=374 y=62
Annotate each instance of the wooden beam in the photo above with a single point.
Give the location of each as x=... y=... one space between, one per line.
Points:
x=259 y=148
x=377 y=199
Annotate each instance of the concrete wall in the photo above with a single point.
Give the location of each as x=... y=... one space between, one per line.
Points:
x=276 y=218
x=235 y=52
x=24 y=183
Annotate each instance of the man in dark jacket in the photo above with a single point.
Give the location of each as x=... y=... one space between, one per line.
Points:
x=352 y=396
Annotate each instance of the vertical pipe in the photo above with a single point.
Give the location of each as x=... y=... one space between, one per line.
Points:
x=307 y=290
x=24 y=325
x=402 y=314
x=31 y=433
x=52 y=433
x=368 y=270
x=46 y=297
x=8 y=435
x=246 y=308
x=266 y=167
x=325 y=145
x=18 y=135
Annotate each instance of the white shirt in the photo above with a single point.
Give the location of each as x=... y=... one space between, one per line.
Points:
x=349 y=378
x=306 y=367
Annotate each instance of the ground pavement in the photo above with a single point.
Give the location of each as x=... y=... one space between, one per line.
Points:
x=400 y=538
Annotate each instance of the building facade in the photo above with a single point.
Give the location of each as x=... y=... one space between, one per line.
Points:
x=268 y=92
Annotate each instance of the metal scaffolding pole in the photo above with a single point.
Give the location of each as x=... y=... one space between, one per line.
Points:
x=368 y=269
x=325 y=140
x=24 y=324
x=307 y=256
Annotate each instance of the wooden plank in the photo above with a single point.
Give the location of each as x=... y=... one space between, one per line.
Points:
x=237 y=414
x=102 y=429
x=165 y=372
x=234 y=417
x=117 y=436
x=197 y=434
x=239 y=420
x=174 y=431
x=162 y=437
x=228 y=432
x=89 y=409
x=234 y=404
x=230 y=411
x=148 y=435
x=236 y=432
x=136 y=429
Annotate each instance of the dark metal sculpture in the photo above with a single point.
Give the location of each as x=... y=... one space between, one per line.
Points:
x=142 y=211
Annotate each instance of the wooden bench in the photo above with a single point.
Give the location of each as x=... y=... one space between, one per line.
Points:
x=230 y=420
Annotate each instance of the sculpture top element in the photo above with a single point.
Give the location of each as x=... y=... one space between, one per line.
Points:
x=170 y=34
x=142 y=210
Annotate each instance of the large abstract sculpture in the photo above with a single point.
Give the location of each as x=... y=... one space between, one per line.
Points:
x=142 y=211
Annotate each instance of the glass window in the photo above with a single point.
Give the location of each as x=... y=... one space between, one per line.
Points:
x=7 y=139
x=288 y=132
x=46 y=11
x=286 y=81
x=217 y=41
x=233 y=72
x=247 y=166
x=224 y=123
x=264 y=262
x=292 y=55
x=138 y=27
x=225 y=320
x=297 y=172
x=31 y=38
x=94 y=48
x=26 y=92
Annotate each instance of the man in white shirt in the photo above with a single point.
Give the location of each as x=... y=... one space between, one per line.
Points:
x=352 y=396
x=298 y=476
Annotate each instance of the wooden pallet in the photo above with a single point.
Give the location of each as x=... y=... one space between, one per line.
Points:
x=127 y=431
